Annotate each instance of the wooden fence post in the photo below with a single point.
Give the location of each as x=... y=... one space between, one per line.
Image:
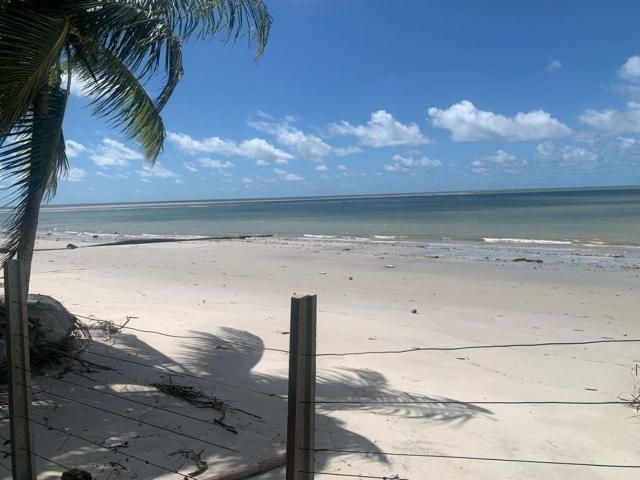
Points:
x=302 y=389
x=17 y=343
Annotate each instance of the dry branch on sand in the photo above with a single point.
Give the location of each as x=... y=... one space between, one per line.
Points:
x=195 y=397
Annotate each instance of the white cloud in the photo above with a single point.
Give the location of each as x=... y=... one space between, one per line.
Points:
x=73 y=148
x=114 y=176
x=382 y=130
x=306 y=145
x=190 y=166
x=262 y=163
x=76 y=174
x=290 y=177
x=207 y=145
x=630 y=71
x=247 y=180
x=466 y=123
x=344 y=151
x=404 y=163
x=322 y=168
x=567 y=155
x=111 y=153
x=254 y=148
x=212 y=163
x=499 y=159
x=628 y=147
x=553 y=66
x=179 y=181
x=626 y=144
x=157 y=171
x=611 y=120
x=342 y=168
x=259 y=149
x=626 y=120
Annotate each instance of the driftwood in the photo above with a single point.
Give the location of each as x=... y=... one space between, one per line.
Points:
x=251 y=470
x=143 y=241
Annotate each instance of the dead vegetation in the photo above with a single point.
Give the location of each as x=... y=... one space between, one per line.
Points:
x=198 y=399
x=188 y=455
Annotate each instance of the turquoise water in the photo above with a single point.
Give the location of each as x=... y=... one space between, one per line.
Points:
x=610 y=216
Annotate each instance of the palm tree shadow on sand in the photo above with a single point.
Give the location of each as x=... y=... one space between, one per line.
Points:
x=220 y=366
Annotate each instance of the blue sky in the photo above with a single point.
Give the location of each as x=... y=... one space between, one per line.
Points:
x=381 y=96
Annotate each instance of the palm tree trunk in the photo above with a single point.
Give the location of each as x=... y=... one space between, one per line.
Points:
x=28 y=233
x=34 y=198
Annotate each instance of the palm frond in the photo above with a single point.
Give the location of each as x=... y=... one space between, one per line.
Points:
x=117 y=95
x=173 y=67
x=30 y=44
x=206 y=18
x=28 y=157
x=135 y=35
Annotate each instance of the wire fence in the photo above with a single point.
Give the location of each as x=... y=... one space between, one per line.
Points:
x=89 y=348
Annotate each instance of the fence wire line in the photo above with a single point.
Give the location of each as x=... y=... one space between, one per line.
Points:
x=473 y=347
x=629 y=403
x=155 y=332
x=464 y=457
x=42 y=457
x=371 y=352
x=35 y=454
x=122 y=397
x=114 y=450
x=162 y=369
x=140 y=421
x=353 y=475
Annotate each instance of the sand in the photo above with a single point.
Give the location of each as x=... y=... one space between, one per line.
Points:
x=225 y=304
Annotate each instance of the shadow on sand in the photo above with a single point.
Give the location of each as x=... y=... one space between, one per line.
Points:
x=221 y=366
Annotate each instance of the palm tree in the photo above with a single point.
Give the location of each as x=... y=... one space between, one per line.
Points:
x=113 y=47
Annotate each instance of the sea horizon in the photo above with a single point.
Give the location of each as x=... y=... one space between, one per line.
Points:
x=588 y=216
x=361 y=195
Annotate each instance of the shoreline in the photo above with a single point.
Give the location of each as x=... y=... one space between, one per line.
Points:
x=598 y=255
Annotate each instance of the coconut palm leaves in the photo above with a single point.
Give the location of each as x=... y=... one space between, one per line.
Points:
x=113 y=47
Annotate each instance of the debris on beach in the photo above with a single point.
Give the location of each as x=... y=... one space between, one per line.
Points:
x=389 y=266
x=186 y=455
x=117 y=445
x=71 y=246
x=76 y=474
x=528 y=260
x=52 y=331
x=195 y=397
x=415 y=310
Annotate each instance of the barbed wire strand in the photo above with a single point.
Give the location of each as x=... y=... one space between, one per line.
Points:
x=155 y=332
x=114 y=450
x=464 y=457
x=42 y=457
x=122 y=397
x=140 y=421
x=163 y=369
x=353 y=475
x=462 y=402
x=474 y=347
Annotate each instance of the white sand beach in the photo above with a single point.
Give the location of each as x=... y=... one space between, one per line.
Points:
x=225 y=304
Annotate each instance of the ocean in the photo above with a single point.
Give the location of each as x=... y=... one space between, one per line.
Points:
x=588 y=217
